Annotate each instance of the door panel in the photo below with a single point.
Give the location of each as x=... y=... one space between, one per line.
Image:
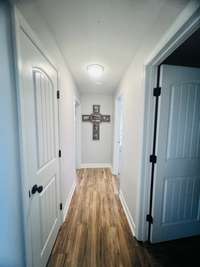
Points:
x=183 y=192
x=40 y=140
x=176 y=202
x=45 y=125
x=184 y=132
x=48 y=215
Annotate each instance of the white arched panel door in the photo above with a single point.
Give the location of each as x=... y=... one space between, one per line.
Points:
x=39 y=122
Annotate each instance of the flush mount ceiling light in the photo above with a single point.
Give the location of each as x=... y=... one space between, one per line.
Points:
x=95 y=70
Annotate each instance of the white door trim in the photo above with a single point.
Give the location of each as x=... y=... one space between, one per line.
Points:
x=19 y=23
x=184 y=26
x=116 y=152
x=77 y=132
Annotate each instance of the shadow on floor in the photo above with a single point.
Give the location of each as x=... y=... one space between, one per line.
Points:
x=177 y=253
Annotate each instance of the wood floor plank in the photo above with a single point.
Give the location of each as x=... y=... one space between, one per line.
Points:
x=96 y=232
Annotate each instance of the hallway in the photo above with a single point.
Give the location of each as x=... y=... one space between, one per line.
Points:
x=96 y=231
x=100 y=133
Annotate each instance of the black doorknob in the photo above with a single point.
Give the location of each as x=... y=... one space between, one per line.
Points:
x=36 y=188
x=40 y=188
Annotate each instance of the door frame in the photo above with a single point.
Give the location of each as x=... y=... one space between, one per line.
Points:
x=18 y=24
x=77 y=132
x=117 y=121
x=185 y=25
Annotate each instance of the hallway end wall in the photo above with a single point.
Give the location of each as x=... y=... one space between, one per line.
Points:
x=97 y=153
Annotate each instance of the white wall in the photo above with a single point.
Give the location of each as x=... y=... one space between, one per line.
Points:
x=11 y=233
x=68 y=92
x=99 y=152
x=132 y=89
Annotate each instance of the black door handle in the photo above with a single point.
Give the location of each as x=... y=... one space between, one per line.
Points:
x=36 y=188
x=40 y=188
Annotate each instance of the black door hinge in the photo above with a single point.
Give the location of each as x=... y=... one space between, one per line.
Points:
x=58 y=94
x=61 y=206
x=153 y=158
x=59 y=153
x=149 y=218
x=157 y=91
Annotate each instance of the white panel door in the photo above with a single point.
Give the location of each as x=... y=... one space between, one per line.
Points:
x=176 y=203
x=39 y=116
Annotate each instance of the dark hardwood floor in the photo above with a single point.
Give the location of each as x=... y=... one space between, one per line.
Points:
x=177 y=253
x=96 y=232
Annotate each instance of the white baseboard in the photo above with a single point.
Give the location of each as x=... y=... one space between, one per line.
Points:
x=68 y=201
x=96 y=165
x=127 y=212
x=114 y=172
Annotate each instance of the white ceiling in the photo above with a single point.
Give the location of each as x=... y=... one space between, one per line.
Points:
x=107 y=32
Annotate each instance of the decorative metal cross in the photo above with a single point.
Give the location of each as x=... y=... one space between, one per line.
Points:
x=96 y=118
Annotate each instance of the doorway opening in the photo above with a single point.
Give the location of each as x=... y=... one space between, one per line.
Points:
x=118 y=139
x=176 y=145
x=77 y=132
x=161 y=214
x=38 y=110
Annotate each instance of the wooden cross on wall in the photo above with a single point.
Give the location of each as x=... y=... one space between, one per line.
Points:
x=96 y=118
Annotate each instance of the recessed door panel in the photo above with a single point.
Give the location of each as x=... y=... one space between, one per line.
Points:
x=45 y=124
x=184 y=131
